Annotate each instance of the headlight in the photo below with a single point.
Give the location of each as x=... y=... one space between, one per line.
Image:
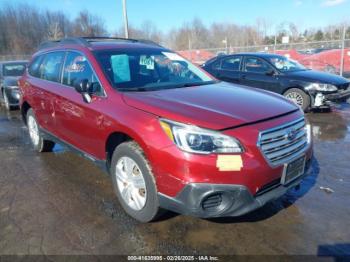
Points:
x=321 y=87
x=198 y=140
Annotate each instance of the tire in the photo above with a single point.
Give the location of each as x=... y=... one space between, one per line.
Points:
x=299 y=97
x=40 y=144
x=138 y=185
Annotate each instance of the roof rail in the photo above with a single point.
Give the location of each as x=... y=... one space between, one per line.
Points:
x=86 y=41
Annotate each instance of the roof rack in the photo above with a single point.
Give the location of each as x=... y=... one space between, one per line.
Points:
x=86 y=41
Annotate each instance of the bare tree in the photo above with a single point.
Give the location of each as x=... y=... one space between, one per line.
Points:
x=24 y=27
x=87 y=24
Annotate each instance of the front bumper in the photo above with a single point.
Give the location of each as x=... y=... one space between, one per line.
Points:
x=13 y=95
x=223 y=200
x=338 y=96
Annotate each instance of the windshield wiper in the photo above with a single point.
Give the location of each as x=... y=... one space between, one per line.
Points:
x=193 y=84
x=154 y=88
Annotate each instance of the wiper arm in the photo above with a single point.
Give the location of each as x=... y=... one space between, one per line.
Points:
x=152 y=88
x=195 y=84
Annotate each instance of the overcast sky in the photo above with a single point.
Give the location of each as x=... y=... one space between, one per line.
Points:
x=166 y=14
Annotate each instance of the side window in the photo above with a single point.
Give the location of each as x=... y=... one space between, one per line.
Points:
x=33 y=68
x=256 y=65
x=51 y=66
x=231 y=63
x=77 y=68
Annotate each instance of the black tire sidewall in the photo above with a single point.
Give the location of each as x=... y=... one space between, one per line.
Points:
x=151 y=208
x=306 y=97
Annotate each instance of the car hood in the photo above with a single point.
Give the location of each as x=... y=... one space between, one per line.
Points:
x=11 y=80
x=215 y=106
x=317 y=77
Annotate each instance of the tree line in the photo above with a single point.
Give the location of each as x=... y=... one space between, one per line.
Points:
x=24 y=27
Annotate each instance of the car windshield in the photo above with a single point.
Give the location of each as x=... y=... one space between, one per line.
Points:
x=286 y=65
x=13 y=69
x=145 y=70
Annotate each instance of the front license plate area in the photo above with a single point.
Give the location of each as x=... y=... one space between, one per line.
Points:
x=293 y=170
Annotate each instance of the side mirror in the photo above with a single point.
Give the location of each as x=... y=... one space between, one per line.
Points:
x=83 y=88
x=270 y=72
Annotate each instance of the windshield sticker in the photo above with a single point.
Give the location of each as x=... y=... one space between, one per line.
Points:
x=173 y=56
x=147 y=61
x=121 y=68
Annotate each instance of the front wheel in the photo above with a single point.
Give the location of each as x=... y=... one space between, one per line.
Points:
x=299 y=97
x=40 y=144
x=134 y=183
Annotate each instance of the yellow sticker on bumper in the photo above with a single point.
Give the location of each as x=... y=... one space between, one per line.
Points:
x=229 y=162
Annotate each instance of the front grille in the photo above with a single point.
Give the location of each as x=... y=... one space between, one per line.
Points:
x=281 y=144
x=212 y=201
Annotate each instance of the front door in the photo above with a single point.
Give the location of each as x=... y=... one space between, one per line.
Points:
x=260 y=74
x=80 y=123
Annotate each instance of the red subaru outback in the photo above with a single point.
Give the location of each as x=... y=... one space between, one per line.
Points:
x=170 y=135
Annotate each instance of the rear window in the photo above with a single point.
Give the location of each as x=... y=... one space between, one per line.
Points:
x=14 y=69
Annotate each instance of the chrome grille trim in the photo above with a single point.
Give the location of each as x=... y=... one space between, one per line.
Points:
x=277 y=148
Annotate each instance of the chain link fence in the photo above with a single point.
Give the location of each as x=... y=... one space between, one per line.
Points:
x=14 y=57
x=329 y=56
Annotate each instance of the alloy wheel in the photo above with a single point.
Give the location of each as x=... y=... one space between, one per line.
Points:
x=296 y=98
x=131 y=183
x=33 y=130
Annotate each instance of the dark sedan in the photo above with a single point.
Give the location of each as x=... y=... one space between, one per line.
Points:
x=10 y=71
x=307 y=88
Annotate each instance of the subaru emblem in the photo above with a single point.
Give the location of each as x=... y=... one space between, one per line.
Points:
x=291 y=134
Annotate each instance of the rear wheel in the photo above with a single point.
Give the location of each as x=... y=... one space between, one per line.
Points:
x=134 y=183
x=40 y=144
x=299 y=97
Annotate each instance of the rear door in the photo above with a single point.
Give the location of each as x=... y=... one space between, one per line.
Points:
x=256 y=72
x=229 y=69
x=79 y=123
x=41 y=87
